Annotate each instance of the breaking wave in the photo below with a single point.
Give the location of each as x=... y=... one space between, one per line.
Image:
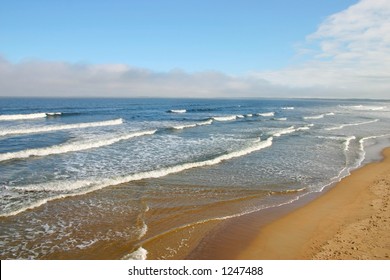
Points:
x=318 y=116
x=179 y=127
x=27 y=116
x=71 y=147
x=279 y=119
x=86 y=186
x=364 y=107
x=291 y=129
x=179 y=111
x=350 y=124
x=225 y=119
x=269 y=114
x=60 y=127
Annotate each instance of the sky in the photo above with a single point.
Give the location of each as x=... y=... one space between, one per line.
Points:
x=202 y=48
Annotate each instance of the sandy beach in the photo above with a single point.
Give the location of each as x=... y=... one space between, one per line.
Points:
x=350 y=221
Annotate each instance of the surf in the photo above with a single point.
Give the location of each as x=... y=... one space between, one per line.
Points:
x=60 y=127
x=81 y=187
x=350 y=124
x=71 y=147
x=31 y=116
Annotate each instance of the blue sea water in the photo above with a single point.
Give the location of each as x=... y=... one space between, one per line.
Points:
x=80 y=175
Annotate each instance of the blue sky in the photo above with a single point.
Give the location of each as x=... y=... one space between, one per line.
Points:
x=214 y=48
x=229 y=36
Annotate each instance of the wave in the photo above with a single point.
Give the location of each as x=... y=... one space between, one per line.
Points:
x=306 y=127
x=224 y=119
x=318 y=116
x=249 y=115
x=60 y=127
x=288 y=191
x=348 y=142
x=27 y=116
x=350 y=124
x=86 y=186
x=364 y=107
x=287 y=130
x=53 y=114
x=71 y=147
x=287 y=108
x=269 y=114
x=361 y=146
x=279 y=119
x=179 y=127
x=179 y=111
x=291 y=129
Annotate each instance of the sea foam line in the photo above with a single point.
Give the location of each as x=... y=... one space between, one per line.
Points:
x=269 y=114
x=179 y=127
x=364 y=107
x=290 y=129
x=318 y=116
x=86 y=186
x=71 y=147
x=350 y=124
x=225 y=118
x=26 y=116
x=177 y=111
x=60 y=127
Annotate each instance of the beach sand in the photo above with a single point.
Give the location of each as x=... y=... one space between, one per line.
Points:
x=350 y=221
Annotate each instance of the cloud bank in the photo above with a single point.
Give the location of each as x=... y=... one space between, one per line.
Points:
x=39 y=78
x=348 y=56
x=349 y=53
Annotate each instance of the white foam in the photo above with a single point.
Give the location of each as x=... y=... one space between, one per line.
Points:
x=53 y=114
x=249 y=115
x=240 y=116
x=82 y=187
x=348 y=142
x=139 y=254
x=350 y=124
x=281 y=132
x=291 y=129
x=179 y=111
x=60 y=127
x=86 y=244
x=179 y=127
x=72 y=147
x=280 y=119
x=316 y=117
x=269 y=114
x=287 y=108
x=307 y=127
x=26 y=116
x=224 y=119
x=365 y=107
x=361 y=146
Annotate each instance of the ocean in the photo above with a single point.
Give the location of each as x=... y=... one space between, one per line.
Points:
x=147 y=178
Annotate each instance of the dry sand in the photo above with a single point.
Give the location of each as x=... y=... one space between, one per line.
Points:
x=350 y=221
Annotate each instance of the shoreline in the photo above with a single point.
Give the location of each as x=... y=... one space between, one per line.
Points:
x=350 y=220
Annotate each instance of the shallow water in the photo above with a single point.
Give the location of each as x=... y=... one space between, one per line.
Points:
x=100 y=178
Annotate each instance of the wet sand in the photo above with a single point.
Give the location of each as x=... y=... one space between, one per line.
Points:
x=349 y=221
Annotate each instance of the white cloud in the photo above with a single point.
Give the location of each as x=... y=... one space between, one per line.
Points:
x=39 y=78
x=349 y=56
x=350 y=53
